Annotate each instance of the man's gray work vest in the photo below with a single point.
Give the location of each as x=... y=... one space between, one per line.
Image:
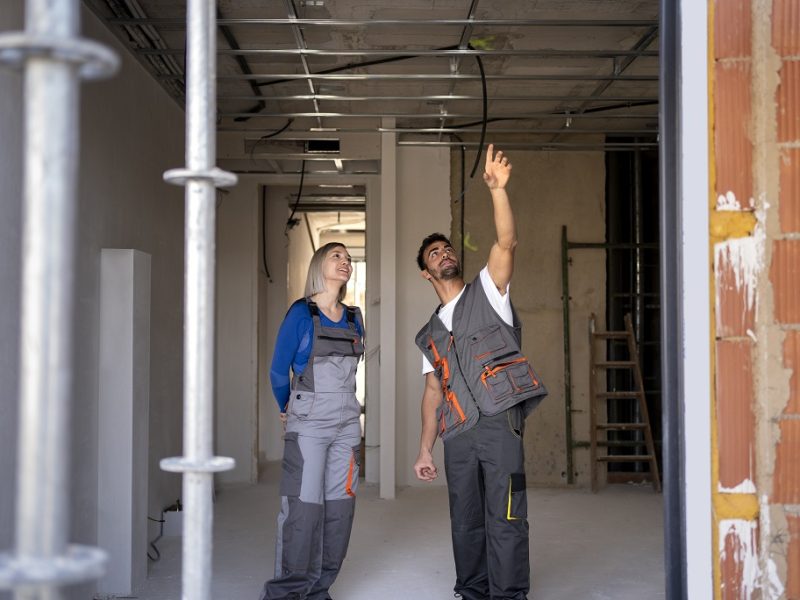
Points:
x=479 y=364
x=334 y=354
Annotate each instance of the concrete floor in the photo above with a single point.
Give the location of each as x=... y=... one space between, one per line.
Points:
x=583 y=547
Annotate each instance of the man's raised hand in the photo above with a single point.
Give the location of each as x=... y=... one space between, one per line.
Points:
x=497 y=170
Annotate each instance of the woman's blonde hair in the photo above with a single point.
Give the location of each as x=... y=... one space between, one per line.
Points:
x=315 y=280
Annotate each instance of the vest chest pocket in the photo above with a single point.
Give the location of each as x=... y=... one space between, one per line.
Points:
x=486 y=343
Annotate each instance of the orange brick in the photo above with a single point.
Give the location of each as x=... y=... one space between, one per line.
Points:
x=793 y=559
x=735 y=299
x=786 y=27
x=735 y=419
x=733 y=148
x=791 y=360
x=788 y=96
x=739 y=549
x=732 y=27
x=790 y=190
x=786 y=478
x=785 y=274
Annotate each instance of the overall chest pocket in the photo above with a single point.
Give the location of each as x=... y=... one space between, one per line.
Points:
x=301 y=405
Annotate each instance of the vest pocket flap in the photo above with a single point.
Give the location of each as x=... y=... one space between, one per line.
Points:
x=522 y=376
x=486 y=343
x=506 y=378
x=499 y=386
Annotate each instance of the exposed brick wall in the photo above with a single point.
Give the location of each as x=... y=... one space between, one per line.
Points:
x=735 y=297
x=785 y=279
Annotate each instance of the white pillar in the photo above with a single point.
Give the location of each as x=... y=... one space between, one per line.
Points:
x=123 y=414
x=388 y=318
x=695 y=392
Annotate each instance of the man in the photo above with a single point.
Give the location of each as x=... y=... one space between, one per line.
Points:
x=478 y=390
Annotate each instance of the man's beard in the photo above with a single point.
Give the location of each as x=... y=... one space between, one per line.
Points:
x=450 y=272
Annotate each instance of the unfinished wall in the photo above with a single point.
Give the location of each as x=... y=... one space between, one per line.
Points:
x=301 y=249
x=756 y=257
x=273 y=302
x=130 y=133
x=236 y=379
x=548 y=190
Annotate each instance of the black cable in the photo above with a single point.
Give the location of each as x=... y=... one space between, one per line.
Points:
x=351 y=65
x=264 y=230
x=616 y=106
x=462 y=197
x=270 y=135
x=157 y=557
x=485 y=113
x=289 y=223
x=463 y=200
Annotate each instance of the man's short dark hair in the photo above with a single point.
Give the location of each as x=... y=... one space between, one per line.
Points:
x=434 y=237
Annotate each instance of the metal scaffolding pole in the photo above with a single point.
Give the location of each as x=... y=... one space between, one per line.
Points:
x=200 y=178
x=53 y=59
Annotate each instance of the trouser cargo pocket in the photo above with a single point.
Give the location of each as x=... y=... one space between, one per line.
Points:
x=292 y=467
x=517 y=497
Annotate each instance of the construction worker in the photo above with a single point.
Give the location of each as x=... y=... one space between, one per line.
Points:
x=321 y=340
x=478 y=390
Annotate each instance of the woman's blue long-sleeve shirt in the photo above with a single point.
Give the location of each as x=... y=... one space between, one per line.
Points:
x=293 y=347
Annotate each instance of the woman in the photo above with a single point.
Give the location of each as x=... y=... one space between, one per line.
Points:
x=322 y=340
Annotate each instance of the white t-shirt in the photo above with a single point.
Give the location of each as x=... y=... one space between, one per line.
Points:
x=500 y=302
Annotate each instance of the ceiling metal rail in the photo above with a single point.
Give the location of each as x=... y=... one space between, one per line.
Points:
x=455 y=62
x=179 y=23
x=434 y=97
x=412 y=53
x=266 y=77
x=301 y=45
x=520 y=145
x=255 y=134
x=643 y=42
x=560 y=115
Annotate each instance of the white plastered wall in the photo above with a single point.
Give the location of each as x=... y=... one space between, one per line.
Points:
x=236 y=351
x=130 y=133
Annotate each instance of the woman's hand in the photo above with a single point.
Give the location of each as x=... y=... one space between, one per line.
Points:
x=497 y=170
x=284 y=417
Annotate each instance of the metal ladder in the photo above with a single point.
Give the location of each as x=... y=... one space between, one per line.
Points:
x=599 y=398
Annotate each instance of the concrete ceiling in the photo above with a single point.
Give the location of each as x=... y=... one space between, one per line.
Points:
x=560 y=74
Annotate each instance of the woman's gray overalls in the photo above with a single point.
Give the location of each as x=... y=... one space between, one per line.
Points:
x=322 y=455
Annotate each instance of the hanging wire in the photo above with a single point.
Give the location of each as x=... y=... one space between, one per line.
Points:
x=290 y=222
x=264 y=230
x=485 y=119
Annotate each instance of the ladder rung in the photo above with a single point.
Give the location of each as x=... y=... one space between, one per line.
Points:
x=620 y=444
x=623 y=426
x=610 y=335
x=616 y=364
x=629 y=458
x=631 y=394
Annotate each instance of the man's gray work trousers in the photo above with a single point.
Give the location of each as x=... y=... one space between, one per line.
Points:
x=485 y=470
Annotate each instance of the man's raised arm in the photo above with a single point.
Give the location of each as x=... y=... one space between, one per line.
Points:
x=501 y=256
